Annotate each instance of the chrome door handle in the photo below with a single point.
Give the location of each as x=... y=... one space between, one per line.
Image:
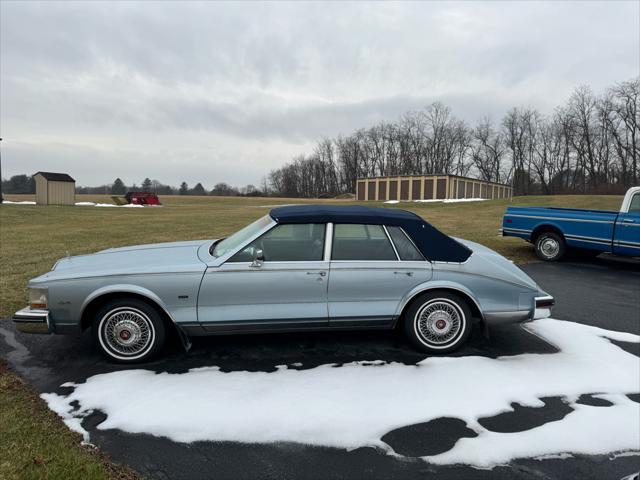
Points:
x=408 y=274
x=627 y=220
x=322 y=274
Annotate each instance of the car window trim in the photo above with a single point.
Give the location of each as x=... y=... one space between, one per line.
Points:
x=395 y=250
x=328 y=241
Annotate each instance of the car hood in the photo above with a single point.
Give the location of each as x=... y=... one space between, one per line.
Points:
x=152 y=258
x=490 y=263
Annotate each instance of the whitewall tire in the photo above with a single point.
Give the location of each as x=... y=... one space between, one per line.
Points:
x=438 y=322
x=128 y=330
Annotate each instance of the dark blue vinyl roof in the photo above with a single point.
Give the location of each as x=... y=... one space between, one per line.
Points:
x=339 y=214
x=434 y=245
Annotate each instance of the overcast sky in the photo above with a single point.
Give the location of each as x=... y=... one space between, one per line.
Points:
x=215 y=92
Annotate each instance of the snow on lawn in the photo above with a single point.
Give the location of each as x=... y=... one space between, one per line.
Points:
x=450 y=200
x=355 y=404
x=92 y=204
x=81 y=204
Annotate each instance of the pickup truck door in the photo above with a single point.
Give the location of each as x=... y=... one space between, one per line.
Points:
x=626 y=237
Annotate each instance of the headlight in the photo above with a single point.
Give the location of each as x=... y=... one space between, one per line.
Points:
x=38 y=298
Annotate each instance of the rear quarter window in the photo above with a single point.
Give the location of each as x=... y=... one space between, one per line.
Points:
x=405 y=247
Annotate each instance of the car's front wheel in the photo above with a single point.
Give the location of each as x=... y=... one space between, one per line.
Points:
x=438 y=322
x=128 y=330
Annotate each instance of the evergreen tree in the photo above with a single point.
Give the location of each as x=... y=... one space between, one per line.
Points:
x=19 y=184
x=184 y=189
x=118 y=187
x=198 y=190
x=146 y=185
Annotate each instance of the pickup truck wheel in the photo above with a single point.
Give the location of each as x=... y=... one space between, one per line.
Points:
x=550 y=246
x=128 y=331
x=438 y=322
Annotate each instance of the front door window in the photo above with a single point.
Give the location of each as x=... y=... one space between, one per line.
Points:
x=287 y=243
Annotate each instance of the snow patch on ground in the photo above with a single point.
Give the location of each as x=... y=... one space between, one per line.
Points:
x=355 y=404
x=459 y=200
x=92 y=204
x=450 y=200
x=82 y=204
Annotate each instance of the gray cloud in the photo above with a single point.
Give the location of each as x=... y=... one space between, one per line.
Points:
x=227 y=91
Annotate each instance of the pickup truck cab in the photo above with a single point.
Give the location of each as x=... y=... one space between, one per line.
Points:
x=553 y=230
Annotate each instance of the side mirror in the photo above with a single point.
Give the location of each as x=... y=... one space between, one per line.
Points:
x=258 y=258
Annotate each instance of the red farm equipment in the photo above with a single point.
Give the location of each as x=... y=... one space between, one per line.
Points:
x=137 y=198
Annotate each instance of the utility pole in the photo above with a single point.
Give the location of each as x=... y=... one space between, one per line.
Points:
x=1 y=197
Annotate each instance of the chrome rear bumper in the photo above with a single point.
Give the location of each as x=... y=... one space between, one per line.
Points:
x=30 y=320
x=543 y=307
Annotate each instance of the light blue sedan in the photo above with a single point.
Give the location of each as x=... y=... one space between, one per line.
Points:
x=300 y=268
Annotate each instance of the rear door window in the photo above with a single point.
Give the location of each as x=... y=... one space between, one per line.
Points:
x=405 y=247
x=361 y=242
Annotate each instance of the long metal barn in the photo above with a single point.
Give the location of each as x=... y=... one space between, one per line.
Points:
x=428 y=187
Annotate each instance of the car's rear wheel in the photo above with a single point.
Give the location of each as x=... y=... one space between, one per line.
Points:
x=438 y=322
x=550 y=246
x=128 y=330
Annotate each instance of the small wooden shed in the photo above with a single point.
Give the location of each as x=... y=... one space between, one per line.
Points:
x=54 y=189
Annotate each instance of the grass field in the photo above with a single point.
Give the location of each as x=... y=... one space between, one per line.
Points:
x=34 y=443
x=32 y=237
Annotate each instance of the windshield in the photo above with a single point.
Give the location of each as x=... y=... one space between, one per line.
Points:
x=240 y=237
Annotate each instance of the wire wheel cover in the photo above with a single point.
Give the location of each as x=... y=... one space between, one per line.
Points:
x=127 y=332
x=439 y=321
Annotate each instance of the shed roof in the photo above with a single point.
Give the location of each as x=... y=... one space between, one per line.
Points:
x=55 y=177
x=434 y=245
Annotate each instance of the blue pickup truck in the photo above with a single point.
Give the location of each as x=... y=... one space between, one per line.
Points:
x=553 y=231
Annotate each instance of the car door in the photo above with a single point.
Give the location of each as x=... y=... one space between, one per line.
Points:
x=626 y=240
x=288 y=289
x=368 y=278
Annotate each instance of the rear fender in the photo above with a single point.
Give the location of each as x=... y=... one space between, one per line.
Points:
x=438 y=285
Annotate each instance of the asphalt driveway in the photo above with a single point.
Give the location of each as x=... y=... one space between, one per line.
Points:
x=604 y=292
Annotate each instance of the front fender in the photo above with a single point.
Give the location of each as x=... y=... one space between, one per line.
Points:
x=125 y=288
x=437 y=285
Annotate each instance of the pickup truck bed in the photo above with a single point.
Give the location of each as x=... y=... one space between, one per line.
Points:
x=554 y=230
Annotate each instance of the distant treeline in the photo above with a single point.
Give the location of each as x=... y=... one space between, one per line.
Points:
x=26 y=184
x=591 y=144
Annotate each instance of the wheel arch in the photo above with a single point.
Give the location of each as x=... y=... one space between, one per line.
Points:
x=545 y=227
x=94 y=301
x=457 y=289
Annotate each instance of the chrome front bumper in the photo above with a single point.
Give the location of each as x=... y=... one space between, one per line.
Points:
x=30 y=320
